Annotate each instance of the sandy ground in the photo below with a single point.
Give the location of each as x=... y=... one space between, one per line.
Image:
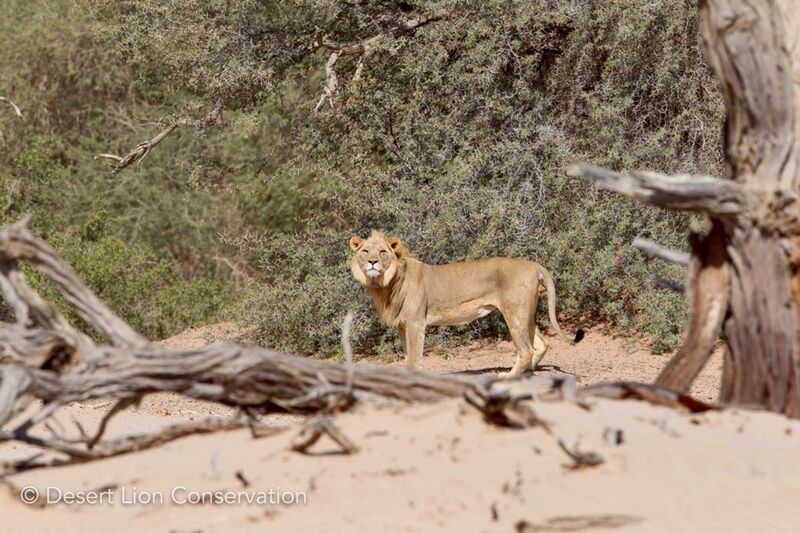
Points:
x=599 y=357
x=440 y=467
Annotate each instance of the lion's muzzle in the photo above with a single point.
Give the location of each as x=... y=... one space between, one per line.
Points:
x=373 y=269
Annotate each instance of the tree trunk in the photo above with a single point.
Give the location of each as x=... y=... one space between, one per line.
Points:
x=745 y=274
x=753 y=50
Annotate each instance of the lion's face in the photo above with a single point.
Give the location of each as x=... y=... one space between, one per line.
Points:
x=375 y=260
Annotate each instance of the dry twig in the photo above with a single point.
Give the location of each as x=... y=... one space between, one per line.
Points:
x=653 y=249
x=16 y=108
x=143 y=148
x=580 y=459
x=362 y=49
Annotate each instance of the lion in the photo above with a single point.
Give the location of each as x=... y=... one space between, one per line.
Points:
x=410 y=295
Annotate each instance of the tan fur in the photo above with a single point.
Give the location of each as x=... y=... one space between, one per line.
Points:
x=411 y=295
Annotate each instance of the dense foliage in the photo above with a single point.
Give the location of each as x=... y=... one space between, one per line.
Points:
x=455 y=137
x=142 y=240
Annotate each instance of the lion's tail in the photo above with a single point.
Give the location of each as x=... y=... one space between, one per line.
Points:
x=551 y=306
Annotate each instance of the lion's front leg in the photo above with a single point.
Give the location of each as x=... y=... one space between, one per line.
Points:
x=401 y=330
x=414 y=342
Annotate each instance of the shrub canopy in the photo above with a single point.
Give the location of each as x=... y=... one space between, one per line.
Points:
x=455 y=137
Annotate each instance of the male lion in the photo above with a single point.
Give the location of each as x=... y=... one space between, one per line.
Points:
x=410 y=295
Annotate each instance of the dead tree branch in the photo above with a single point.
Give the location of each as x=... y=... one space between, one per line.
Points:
x=661 y=283
x=43 y=357
x=744 y=276
x=708 y=291
x=653 y=249
x=319 y=425
x=580 y=459
x=74 y=453
x=655 y=394
x=14 y=106
x=686 y=193
x=331 y=82
x=363 y=49
x=18 y=244
x=144 y=147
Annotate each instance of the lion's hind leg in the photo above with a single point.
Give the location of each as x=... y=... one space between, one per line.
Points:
x=539 y=347
x=520 y=335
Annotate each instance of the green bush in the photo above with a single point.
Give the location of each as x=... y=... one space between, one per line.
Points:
x=142 y=240
x=457 y=140
x=136 y=285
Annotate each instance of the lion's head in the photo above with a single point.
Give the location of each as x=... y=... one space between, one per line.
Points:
x=376 y=260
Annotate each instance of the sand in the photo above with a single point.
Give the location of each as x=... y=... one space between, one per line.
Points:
x=440 y=467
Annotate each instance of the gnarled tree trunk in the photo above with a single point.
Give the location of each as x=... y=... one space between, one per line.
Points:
x=743 y=275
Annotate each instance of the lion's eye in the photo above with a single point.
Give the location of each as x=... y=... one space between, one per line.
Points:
x=364 y=252
x=383 y=253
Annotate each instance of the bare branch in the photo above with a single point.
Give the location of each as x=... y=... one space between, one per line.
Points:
x=17 y=243
x=368 y=44
x=579 y=458
x=121 y=405
x=132 y=443
x=708 y=294
x=227 y=373
x=363 y=49
x=17 y=110
x=320 y=425
x=654 y=394
x=661 y=283
x=686 y=193
x=331 y=82
x=653 y=249
x=144 y=147
x=108 y=156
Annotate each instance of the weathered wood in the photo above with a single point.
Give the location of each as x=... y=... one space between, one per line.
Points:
x=653 y=249
x=75 y=453
x=17 y=243
x=255 y=378
x=688 y=193
x=143 y=148
x=762 y=329
x=751 y=46
x=708 y=301
x=655 y=394
x=747 y=270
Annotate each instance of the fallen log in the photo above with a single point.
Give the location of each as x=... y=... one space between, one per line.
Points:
x=43 y=357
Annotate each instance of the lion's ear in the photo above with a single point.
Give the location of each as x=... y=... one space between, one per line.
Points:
x=396 y=246
x=356 y=242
